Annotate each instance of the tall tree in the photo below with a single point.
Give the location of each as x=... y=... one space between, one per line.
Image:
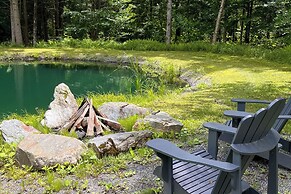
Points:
x=169 y=22
x=217 y=26
x=34 y=30
x=249 y=21
x=25 y=25
x=59 y=9
x=16 y=34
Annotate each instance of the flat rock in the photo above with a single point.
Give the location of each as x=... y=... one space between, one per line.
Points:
x=194 y=79
x=61 y=108
x=39 y=150
x=15 y=130
x=119 y=142
x=161 y=121
x=121 y=110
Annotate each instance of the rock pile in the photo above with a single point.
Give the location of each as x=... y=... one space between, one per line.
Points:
x=39 y=150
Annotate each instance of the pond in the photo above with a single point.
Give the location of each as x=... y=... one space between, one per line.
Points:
x=25 y=88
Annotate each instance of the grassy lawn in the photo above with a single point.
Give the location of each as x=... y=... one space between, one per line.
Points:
x=229 y=77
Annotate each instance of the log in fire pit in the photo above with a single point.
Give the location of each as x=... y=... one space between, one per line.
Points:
x=88 y=119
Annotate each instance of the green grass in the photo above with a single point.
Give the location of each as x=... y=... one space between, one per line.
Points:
x=229 y=76
x=86 y=49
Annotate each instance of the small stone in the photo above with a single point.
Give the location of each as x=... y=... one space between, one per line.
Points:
x=194 y=79
x=15 y=130
x=121 y=110
x=161 y=121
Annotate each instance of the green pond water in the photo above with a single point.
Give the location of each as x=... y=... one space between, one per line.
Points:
x=25 y=88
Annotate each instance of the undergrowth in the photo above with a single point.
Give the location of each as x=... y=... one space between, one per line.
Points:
x=280 y=55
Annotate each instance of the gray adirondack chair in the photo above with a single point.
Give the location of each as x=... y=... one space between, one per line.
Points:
x=200 y=172
x=284 y=158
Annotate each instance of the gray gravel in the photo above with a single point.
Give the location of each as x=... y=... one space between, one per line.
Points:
x=139 y=177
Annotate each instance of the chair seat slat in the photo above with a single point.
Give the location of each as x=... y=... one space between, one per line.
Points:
x=192 y=179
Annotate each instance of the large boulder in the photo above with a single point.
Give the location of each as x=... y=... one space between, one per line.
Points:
x=39 y=150
x=61 y=108
x=121 y=110
x=15 y=130
x=119 y=142
x=160 y=121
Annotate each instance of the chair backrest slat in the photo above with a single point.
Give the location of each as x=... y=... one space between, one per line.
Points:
x=266 y=123
x=251 y=128
x=280 y=123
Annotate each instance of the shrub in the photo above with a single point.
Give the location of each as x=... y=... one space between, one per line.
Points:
x=279 y=55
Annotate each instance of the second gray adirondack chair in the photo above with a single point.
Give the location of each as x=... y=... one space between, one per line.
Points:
x=200 y=172
x=284 y=158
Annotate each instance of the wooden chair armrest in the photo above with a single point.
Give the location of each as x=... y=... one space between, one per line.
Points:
x=219 y=127
x=242 y=100
x=164 y=147
x=236 y=114
x=284 y=117
x=241 y=103
x=263 y=145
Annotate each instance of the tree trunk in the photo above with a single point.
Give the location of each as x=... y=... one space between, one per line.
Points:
x=12 y=23
x=169 y=22
x=242 y=27
x=57 y=22
x=59 y=9
x=25 y=26
x=15 y=23
x=217 y=26
x=34 y=31
x=249 y=21
x=43 y=20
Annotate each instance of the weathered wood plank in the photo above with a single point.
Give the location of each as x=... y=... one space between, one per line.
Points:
x=90 y=127
x=98 y=125
x=79 y=120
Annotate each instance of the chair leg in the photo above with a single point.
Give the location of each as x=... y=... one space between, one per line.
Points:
x=241 y=106
x=236 y=187
x=273 y=172
x=251 y=191
x=286 y=145
x=213 y=143
x=167 y=173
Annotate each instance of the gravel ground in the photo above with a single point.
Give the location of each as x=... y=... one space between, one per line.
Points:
x=140 y=177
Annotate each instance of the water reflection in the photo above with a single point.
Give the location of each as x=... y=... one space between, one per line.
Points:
x=18 y=81
x=27 y=87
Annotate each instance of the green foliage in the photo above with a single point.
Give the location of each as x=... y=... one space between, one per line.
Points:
x=7 y=153
x=128 y=123
x=112 y=20
x=69 y=42
x=280 y=55
x=270 y=53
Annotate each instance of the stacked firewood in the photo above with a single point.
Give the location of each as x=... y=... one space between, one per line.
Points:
x=88 y=119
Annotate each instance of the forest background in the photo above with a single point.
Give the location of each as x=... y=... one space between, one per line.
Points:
x=255 y=22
